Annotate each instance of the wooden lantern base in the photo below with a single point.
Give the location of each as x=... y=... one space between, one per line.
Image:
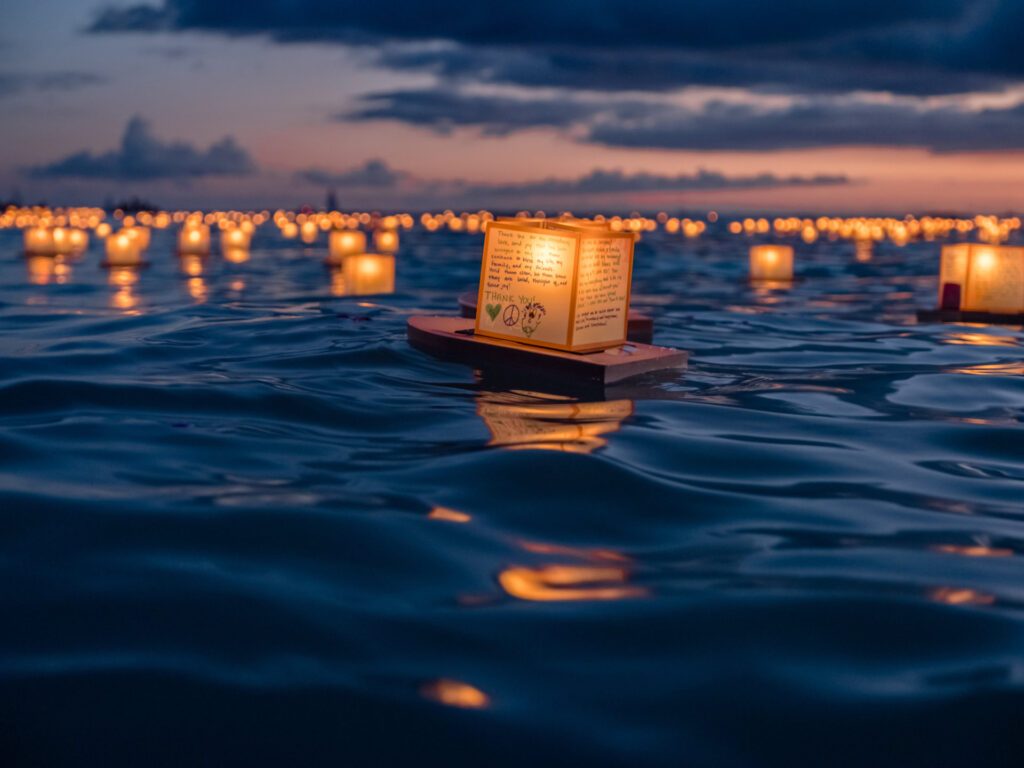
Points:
x=957 y=316
x=640 y=327
x=137 y=265
x=453 y=338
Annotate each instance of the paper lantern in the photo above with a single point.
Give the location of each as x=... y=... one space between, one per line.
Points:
x=385 y=240
x=308 y=231
x=982 y=278
x=364 y=274
x=122 y=250
x=555 y=285
x=38 y=240
x=78 y=241
x=234 y=239
x=345 y=242
x=771 y=262
x=289 y=231
x=140 y=235
x=194 y=239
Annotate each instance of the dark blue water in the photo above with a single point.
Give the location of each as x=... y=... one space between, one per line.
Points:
x=243 y=523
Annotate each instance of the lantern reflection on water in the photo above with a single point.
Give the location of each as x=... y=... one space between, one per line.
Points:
x=982 y=278
x=771 y=262
x=363 y=274
x=123 y=279
x=539 y=421
x=44 y=269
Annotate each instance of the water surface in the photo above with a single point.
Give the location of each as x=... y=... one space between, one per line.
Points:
x=242 y=522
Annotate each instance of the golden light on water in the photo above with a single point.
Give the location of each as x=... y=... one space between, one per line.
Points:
x=771 y=262
x=568 y=583
x=363 y=274
x=455 y=693
x=960 y=596
x=449 y=515
x=974 y=550
x=538 y=421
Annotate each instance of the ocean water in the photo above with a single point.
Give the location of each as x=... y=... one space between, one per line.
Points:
x=243 y=523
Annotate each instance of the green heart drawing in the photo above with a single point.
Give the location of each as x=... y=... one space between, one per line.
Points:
x=493 y=310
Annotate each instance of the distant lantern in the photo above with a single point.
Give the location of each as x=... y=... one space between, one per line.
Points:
x=78 y=241
x=194 y=239
x=140 y=235
x=346 y=242
x=39 y=240
x=560 y=285
x=386 y=240
x=364 y=274
x=771 y=262
x=290 y=230
x=122 y=250
x=234 y=239
x=982 y=278
x=308 y=231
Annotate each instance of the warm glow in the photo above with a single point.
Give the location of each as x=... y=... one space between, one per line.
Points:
x=121 y=250
x=454 y=693
x=363 y=274
x=451 y=515
x=345 y=242
x=771 y=262
x=557 y=583
x=194 y=239
x=525 y=420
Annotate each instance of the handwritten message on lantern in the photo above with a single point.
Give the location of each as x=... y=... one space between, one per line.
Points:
x=556 y=285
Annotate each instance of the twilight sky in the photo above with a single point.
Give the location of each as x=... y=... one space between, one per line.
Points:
x=803 y=105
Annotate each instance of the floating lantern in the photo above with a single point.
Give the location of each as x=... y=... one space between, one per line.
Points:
x=308 y=231
x=140 y=235
x=233 y=240
x=39 y=240
x=103 y=230
x=555 y=285
x=289 y=231
x=122 y=250
x=78 y=241
x=982 y=278
x=386 y=240
x=345 y=242
x=194 y=239
x=771 y=262
x=364 y=274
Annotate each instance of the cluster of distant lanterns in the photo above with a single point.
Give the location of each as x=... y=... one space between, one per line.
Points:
x=66 y=232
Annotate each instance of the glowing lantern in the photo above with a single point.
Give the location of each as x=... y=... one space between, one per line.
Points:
x=771 y=262
x=78 y=241
x=309 y=231
x=386 y=240
x=289 y=231
x=194 y=239
x=39 y=240
x=982 y=278
x=122 y=250
x=364 y=274
x=103 y=230
x=555 y=284
x=345 y=242
x=234 y=239
x=140 y=235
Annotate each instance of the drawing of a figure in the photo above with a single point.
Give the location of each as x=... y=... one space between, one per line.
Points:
x=533 y=312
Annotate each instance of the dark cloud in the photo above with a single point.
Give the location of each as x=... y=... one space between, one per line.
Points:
x=441 y=110
x=375 y=174
x=602 y=182
x=15 y=83
x=659 y=70
x=718 y=126
x=907 y=46
x=592 y=23
x=816 y=124
x=142 y=156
